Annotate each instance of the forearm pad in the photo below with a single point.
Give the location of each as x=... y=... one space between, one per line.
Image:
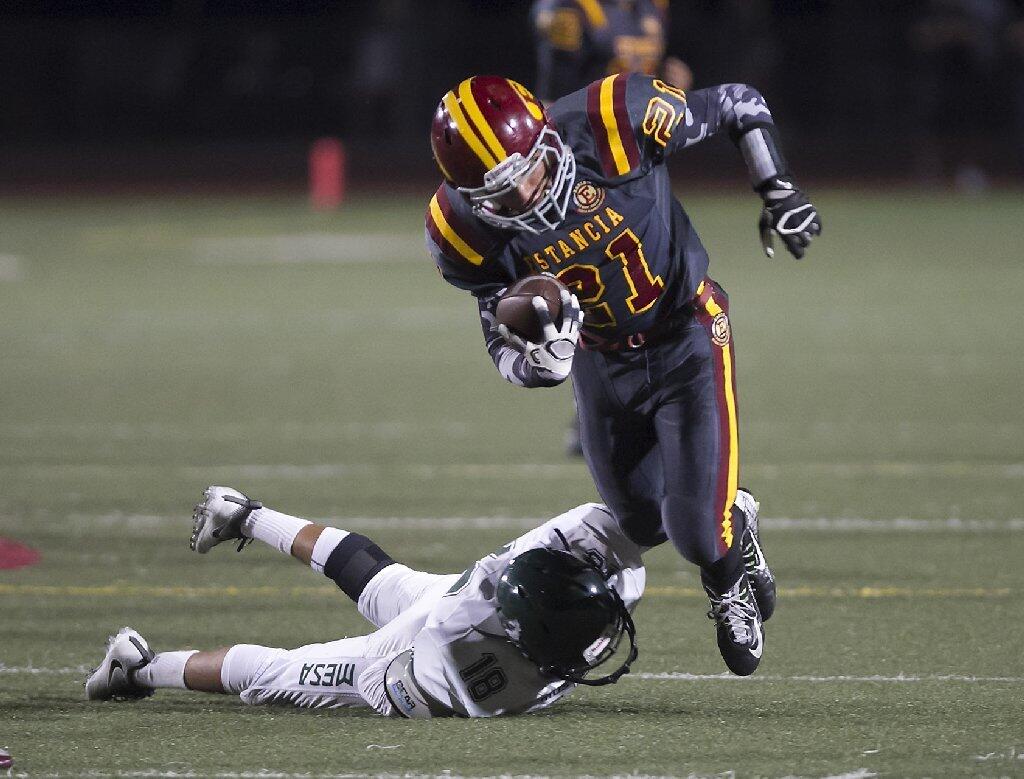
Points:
x=762 y=153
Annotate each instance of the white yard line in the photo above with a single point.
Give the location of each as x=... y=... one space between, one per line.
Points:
x=164 y=431
x=822 y=524
x=311 y=248
x=662 y=677
x=898 y=524
x=122 y=590
x=265 y=774
x=185 y=774
x=898 y=679
x=31 y=670
x=10 y=267
x=547 y=471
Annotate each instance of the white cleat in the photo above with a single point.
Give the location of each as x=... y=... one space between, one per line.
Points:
x=762 y=580
x=751 y=508
x=127 y=652
x=219 y=518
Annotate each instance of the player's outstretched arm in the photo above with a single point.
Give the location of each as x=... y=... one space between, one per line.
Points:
x=742 y=111
x=669 y=119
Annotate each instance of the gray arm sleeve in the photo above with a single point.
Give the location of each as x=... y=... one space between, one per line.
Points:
x=740 y=110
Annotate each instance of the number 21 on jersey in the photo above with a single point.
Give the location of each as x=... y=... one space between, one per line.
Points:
x=585 y=281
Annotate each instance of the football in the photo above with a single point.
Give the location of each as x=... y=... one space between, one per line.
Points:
x=516 y=311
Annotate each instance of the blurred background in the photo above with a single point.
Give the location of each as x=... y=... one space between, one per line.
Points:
x=229 y=93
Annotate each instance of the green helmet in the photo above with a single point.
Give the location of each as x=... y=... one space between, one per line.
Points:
x=562 y=614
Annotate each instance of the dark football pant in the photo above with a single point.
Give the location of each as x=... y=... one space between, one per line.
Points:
x=659 y=431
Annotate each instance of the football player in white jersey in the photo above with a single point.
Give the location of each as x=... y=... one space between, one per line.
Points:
x=513 y=633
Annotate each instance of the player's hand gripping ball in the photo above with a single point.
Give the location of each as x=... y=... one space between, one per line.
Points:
x=539 y=317
x=516 y=311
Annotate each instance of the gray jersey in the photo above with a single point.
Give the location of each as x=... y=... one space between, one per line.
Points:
x=462 y=657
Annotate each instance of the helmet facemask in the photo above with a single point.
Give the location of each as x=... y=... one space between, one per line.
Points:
x=548 y=211
x=548 y=601
x=602 y=650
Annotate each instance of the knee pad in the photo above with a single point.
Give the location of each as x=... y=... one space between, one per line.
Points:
x=353 y=562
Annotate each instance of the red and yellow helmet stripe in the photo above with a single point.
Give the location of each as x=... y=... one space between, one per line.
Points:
x=465 y=111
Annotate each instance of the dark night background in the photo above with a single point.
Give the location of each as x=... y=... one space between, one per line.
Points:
x=186 y=92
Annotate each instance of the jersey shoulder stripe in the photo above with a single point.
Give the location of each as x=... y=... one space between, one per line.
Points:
x=451 y=233
x=614 y=137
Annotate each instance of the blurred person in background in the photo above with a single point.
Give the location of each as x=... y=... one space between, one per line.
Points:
x=580 y=41
x=378 y=67
x=956 y=45
x=749 y=40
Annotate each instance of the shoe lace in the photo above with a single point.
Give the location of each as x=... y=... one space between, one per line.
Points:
x=735 y=609
x=235 y=526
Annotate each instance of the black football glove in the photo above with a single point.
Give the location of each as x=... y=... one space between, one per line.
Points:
x=788 y=212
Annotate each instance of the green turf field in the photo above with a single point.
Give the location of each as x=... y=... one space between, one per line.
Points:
x=151 y=347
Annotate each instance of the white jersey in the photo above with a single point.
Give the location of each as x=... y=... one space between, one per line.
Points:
x=461 y=656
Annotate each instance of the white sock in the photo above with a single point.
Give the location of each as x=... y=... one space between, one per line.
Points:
x=166 y=670
x=325 y=544
x=273 y=528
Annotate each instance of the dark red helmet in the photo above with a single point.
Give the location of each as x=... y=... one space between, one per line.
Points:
x=487 y=134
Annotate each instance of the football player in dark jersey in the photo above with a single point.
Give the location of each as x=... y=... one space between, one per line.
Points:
x=580 y=191
x=579 y=41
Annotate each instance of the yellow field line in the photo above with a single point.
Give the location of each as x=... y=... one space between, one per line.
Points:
x=180 y=591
